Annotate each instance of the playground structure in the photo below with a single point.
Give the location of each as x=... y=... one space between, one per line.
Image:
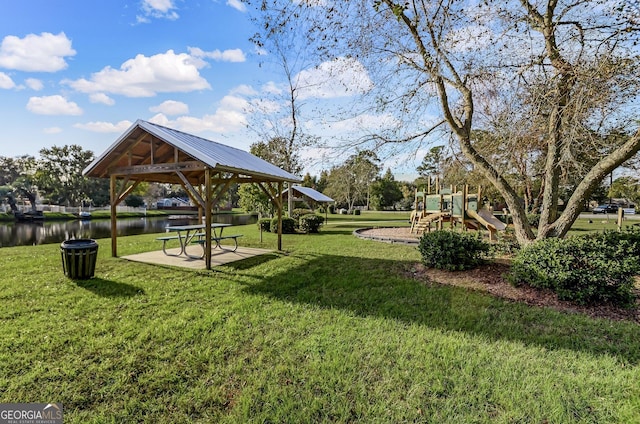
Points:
x=448 y=206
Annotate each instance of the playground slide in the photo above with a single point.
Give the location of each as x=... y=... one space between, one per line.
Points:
x=486 y=218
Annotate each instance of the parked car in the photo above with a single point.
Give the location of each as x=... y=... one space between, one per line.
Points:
x=605 y=209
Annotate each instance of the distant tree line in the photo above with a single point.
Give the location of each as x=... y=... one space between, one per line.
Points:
x=54 y=177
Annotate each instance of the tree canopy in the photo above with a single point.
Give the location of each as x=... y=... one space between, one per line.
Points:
x=55 y=176
x=350 y=182
x=528 y=90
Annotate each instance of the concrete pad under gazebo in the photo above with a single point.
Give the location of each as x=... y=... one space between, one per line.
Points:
x=148 y=152
x=158 y=257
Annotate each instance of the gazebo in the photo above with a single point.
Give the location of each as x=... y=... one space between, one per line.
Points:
x=148 y=152
x=306 y=194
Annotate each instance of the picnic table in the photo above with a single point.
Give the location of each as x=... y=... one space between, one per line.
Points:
x=187 y=234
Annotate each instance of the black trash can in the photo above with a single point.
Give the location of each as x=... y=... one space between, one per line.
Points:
x=79 y=258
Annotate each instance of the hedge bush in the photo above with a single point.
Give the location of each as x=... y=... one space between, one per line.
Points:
x=310 y=223
x=451 y=250
x=533 y=219
x=589 y=269
x=288 y=225
x=507 y=244
x=298 y=212
x=264 y=224
x=356 y=211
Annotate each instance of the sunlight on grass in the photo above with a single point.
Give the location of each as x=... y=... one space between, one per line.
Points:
x=330 y=330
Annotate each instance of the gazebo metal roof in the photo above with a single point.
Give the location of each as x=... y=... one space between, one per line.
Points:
x=153 y=152
x=309 y=192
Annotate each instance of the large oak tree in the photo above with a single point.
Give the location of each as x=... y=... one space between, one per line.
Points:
x=560 y=76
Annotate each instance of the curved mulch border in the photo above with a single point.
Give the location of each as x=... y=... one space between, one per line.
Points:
x=491 y=278
x=388 y=234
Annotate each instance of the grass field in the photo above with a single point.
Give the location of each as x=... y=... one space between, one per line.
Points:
x=333 y=329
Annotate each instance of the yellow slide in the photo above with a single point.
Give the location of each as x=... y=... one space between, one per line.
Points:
x=486 y=218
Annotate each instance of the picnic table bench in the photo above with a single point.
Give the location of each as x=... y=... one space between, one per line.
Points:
x=165 y=239
x=201 y=241
x=187 y=234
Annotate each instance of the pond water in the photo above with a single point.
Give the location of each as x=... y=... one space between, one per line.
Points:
x=28 y=233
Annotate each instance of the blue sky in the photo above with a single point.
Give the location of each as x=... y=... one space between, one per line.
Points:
x=82 y=71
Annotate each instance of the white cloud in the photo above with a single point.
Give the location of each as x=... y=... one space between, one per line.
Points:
x=160 y=9
x=36 y=53
x=272 y=88
x=34 y=84
x=105 y=127
x=260 y=51
x=232 y=55
x=171 y=107
x=364 y=122
x=244 y=90
x=342 y=77
x=52 y=130
x=101 y=98
x=237 y=4
x=6 y=82
x=145 y=76
x=229 y=117
x=53 y=105
x=266 y=107
x=233 y=103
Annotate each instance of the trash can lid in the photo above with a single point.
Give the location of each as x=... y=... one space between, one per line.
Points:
x=78 y=244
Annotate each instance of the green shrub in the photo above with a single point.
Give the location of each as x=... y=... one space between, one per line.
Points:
x=533 y=219
x=298 y=212
x=264 y=224
x=507 y=244
x=589 y=269
x=452 y=250
x=310 y=223
x=288 y=225
x=356 y=211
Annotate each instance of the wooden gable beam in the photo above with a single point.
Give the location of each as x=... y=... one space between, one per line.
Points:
x=158 y=168
x=129 y=149
x=152 y=148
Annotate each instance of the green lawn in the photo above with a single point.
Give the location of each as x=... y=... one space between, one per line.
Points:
x=331 y=330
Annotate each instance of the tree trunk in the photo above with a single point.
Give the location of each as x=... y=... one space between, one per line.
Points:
x=590 y=182
x=523 y=232
x=12 y=204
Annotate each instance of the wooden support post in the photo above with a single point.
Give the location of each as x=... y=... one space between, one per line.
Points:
x=280 y=215
x=114 y=228
x=465 y=200
x=289 y=199
x=620 y=218
x=207 y=217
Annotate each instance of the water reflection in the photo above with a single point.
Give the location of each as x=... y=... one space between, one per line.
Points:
x=28 y=233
